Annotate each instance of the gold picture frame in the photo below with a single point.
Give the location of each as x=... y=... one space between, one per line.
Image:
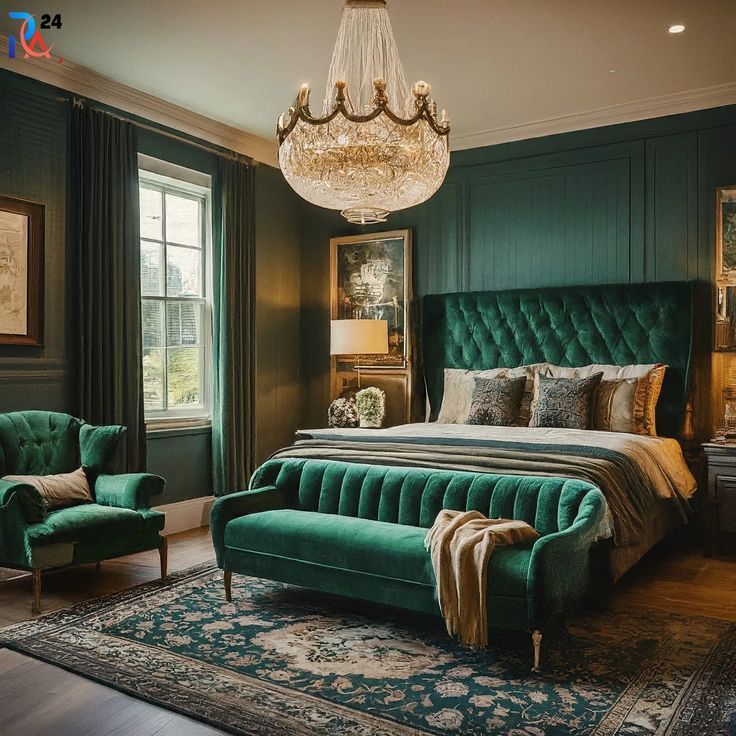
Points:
x=371 y=278
x=725 y=270
x=21 y=272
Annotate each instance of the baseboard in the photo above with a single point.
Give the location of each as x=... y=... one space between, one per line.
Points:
x=184 y=515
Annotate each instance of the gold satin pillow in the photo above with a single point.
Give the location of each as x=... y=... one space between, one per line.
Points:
x=61 y=490
x=614 y=405
x=647 y=395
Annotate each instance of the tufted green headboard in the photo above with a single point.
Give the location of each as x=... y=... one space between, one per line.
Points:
x=569 y=326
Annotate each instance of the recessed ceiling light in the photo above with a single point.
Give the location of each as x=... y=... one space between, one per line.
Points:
x=677 y=28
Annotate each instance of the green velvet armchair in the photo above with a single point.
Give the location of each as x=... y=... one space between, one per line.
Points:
x=119 y=522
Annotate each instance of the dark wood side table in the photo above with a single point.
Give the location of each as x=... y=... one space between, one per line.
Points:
x=721 y=496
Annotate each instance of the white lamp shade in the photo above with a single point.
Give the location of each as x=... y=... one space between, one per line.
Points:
x=358 y=336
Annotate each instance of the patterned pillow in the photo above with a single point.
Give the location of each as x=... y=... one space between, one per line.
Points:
x=496 y=401
x=458 y=392
x=564 y=402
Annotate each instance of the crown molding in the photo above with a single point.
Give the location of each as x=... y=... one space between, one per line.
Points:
x=654 y=107
x=80 y=80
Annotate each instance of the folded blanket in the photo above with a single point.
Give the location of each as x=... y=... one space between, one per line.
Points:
x=460 y=544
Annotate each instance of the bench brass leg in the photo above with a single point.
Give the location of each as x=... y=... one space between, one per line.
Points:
x=36 y=592
x=163 y=553
x=537 y=642
x=228 y=578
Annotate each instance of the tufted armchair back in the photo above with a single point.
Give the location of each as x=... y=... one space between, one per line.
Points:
x=38 y=443
x=414 y=496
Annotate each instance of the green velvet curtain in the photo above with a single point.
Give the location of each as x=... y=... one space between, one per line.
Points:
x=104 y=182
x=233 y=355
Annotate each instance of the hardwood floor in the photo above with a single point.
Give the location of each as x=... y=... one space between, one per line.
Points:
x=679 y=578
x=38 y=699
x=43 y=700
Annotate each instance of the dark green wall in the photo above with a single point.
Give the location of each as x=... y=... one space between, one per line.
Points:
x=34 y=134
x=33 y=155
x=626 y=203
x=279 y=226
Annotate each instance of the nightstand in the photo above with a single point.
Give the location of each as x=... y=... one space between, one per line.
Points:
x=721 y=497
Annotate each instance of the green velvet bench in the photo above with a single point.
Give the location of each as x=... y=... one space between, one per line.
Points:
x=359 y=530
x=119 y=522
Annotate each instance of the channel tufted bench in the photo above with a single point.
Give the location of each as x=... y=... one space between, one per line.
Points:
x=358 y=530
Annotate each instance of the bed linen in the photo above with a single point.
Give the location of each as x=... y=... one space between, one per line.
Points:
x=637 y=474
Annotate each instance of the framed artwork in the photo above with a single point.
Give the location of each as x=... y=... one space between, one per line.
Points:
x=21 y=272
x=726 y=235
x=370 y=278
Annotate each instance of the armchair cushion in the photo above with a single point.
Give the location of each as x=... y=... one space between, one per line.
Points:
x=85 y=523
x=98 y=447
x=128 y=491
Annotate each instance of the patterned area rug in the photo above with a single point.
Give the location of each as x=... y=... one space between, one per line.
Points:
x=282 y=660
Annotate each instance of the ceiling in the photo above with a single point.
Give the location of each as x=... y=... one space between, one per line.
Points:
x=502 y=68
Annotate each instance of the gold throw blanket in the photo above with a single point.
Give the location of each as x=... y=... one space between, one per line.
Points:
x=460 y=544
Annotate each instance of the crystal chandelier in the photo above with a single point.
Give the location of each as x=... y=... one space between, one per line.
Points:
x=377 y=147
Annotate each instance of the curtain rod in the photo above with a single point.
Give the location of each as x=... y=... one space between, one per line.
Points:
x=80 y=103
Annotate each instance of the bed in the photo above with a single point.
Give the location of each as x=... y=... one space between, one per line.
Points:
x=645 y=479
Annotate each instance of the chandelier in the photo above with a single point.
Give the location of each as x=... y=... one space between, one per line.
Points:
x=377 y=147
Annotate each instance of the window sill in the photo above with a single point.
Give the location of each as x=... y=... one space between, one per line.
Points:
x=177 y=427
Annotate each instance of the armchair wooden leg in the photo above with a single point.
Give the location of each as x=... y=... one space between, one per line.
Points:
x=163 y=553
x=228 y=579
x=537 y=642
x=36 y=592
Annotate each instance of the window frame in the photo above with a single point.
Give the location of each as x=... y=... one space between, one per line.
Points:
x=165 y=177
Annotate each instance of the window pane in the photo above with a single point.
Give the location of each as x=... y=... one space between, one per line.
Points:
x=151 y=210
x=152 y=323
x=183 y=377
x=153 y=379
x=152 y=283
x=183 y=320
x=183 y=271
x=182 y=220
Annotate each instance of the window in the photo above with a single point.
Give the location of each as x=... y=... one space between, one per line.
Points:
x=176 y=293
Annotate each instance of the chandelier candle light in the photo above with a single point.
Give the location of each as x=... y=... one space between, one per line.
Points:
x=377 y=147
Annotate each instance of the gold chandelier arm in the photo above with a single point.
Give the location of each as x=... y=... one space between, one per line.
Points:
x=300 y=112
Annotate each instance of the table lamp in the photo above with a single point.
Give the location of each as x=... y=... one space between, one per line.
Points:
x=358 y=337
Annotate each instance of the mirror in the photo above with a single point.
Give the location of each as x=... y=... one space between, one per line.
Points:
x=725 y=332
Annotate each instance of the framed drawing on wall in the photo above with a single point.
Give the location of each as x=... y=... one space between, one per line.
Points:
x=21 y=272
x=370 y=278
